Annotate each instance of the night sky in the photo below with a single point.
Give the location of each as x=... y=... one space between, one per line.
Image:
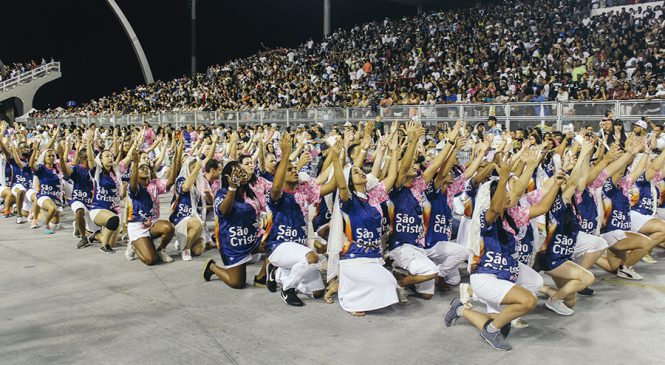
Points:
x=98 y=59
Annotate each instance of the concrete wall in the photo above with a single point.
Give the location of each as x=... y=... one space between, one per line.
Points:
x=26 y=92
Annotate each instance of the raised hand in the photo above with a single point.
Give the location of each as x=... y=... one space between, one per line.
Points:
x=237 y=177
x=560 y=178
x=504 y=167
x=452 y=135
x=306 y=158
x=286 y=143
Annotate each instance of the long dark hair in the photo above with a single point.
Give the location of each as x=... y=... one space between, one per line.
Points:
x=242 y=189
x=503 y=235
x=253 y=177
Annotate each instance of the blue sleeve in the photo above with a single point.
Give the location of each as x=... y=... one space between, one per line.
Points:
x=485 y=229
x=345 y=206
x=219 y=198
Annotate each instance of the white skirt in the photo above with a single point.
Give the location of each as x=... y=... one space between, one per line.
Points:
x=365 y=285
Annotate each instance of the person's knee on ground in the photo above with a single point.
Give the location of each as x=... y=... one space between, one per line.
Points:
x=197 y=248
x=425 y=296
x=112 y=223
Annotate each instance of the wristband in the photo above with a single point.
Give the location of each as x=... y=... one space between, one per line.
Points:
x=231 y=189
x=450 y=141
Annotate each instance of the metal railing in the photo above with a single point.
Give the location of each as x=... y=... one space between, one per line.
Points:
x=512 y=115
x=26 y=77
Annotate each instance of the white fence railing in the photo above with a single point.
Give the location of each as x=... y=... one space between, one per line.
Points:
x=512 y=115
x=29 y=76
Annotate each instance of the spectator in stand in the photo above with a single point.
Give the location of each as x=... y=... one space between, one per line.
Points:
x=489 y=53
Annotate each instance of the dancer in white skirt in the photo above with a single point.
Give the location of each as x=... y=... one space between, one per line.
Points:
x=364 y=283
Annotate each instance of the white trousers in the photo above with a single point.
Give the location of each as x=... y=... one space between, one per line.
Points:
x=293 y=270
x=448 y=256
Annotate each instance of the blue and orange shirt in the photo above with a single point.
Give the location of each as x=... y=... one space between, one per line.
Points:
x=105 y=194
x=642 y=199
x=22 y=176
x=237 y=232
x=363 y=224
x=181 y=203
x=49 y=184
x=285 y=222
x=497 y=251
x=406 y=219
x=141 y=209
x=616 y=205
x=562 y=229
x=82 y=185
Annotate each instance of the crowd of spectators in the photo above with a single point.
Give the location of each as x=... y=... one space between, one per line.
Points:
x=11 y=70
x=551 y=50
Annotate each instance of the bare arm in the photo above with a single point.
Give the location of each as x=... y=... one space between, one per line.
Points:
x=414 y=132
x=431 y=170
x=340 y=181
x=497 y=204
x=548 y=199
x=191 y=179
x=32 y=163
x=280 y=173
x=134 y=177
x=63 y=151
x=90 y=153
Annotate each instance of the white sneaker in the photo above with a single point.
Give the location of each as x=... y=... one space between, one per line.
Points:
x=403 y=296
x=464 y=296
x=627 y=272
x=519 y=323
x=164 y=256
x=649 y=259
x=21 y=220
x=186 y=255
x=76 y=232
x=559 y=307
x=177 y=245
x=130 y=253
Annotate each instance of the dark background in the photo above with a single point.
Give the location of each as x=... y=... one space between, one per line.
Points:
x=97 y=57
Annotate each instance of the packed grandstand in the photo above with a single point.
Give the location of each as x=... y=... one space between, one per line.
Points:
x=517 y=51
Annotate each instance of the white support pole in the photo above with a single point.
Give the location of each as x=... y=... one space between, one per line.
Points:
x=145 y=66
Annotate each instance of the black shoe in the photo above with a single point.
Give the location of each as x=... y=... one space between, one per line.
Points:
x=107 y=249
x=290 y=297
x=505 y=330
x=207 y=273
x=91 y=238
x=260 y=283
x=586 y=291
x=271 y=283
x=83 y=242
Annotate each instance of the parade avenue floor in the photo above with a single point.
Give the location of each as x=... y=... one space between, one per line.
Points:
x=61 y=305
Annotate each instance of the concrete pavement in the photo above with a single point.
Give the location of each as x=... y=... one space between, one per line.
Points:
x=61 y=305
